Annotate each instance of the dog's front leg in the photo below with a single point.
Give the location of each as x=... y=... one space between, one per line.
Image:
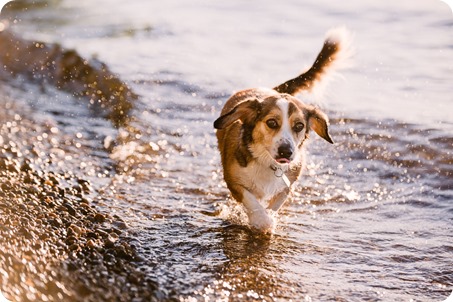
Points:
x=278 y=200
x=258 y=216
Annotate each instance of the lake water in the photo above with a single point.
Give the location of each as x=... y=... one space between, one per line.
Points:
x=372 y=217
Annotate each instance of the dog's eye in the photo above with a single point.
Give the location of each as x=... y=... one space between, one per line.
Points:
x=272 y=124
x=298 y=127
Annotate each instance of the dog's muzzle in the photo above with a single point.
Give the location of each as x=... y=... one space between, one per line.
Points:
x=284 y=153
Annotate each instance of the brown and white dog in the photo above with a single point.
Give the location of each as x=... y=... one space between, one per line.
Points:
x=261 y=135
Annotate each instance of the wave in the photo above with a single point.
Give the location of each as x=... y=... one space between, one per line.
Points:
x=51 y=64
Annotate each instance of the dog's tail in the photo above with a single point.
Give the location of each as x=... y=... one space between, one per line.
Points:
x=336 y=50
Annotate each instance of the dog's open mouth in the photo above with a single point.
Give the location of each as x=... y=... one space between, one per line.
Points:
x=283 y=160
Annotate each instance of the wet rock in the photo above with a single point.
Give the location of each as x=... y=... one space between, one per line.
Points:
x=13 y=166
x=91 y=235
x=29 y=179
x=74 y=247
x=91 y=244
x=54 y=180
x=86 y=200
x=27 y=166
x=70 y=208
x=110 y=240
x=35 y=190
x=66 y=70
x=120 y=224
x=77 y=231
x=5 y=186
x=135 y=278
x=85 y=185
x=99 y=217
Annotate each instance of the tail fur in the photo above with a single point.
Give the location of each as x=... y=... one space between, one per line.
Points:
x=336 y=49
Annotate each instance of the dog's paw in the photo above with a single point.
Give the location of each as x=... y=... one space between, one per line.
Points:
x=261 y=221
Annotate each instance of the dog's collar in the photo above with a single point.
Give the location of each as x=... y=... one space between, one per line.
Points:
x=278 y=172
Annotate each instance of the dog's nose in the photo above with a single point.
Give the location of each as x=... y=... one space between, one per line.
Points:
x=285 y=151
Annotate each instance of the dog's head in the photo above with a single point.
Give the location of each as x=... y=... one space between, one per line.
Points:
x=275 y=128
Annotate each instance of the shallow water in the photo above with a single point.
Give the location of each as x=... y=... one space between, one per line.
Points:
x=371 y=220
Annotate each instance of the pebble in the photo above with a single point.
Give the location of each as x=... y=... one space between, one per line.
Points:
x=76 y=229
x=70 y=209
x=34 y=190
x=120 y=224
x=110 y=241
x=91 y=243
x=99 y=217
x=74 y=247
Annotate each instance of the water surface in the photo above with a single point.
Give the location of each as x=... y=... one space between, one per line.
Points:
x=370 y=220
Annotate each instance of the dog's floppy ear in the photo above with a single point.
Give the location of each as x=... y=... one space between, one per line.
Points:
x=318 y=122
x=246 y=112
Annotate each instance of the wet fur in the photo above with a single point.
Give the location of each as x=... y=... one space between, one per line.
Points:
x=251 y=150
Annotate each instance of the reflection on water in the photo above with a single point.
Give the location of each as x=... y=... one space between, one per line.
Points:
x=371 y=219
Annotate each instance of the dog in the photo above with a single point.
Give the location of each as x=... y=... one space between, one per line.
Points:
x=261 y=135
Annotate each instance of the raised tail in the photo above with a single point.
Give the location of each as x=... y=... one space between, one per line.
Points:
x=336 y=49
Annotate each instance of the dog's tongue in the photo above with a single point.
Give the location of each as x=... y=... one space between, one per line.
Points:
x=282 y=160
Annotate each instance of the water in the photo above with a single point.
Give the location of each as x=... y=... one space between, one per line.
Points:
x=370 y=220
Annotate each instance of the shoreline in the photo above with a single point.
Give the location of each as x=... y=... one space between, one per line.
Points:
x=55 y=243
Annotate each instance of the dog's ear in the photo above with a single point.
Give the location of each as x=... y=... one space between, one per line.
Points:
x=318 y=122
x=246 y=112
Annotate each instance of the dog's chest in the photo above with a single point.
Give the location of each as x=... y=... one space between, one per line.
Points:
x=263 y=181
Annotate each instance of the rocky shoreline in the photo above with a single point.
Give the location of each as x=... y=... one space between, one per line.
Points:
x=55 y=243
x=51 y=64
